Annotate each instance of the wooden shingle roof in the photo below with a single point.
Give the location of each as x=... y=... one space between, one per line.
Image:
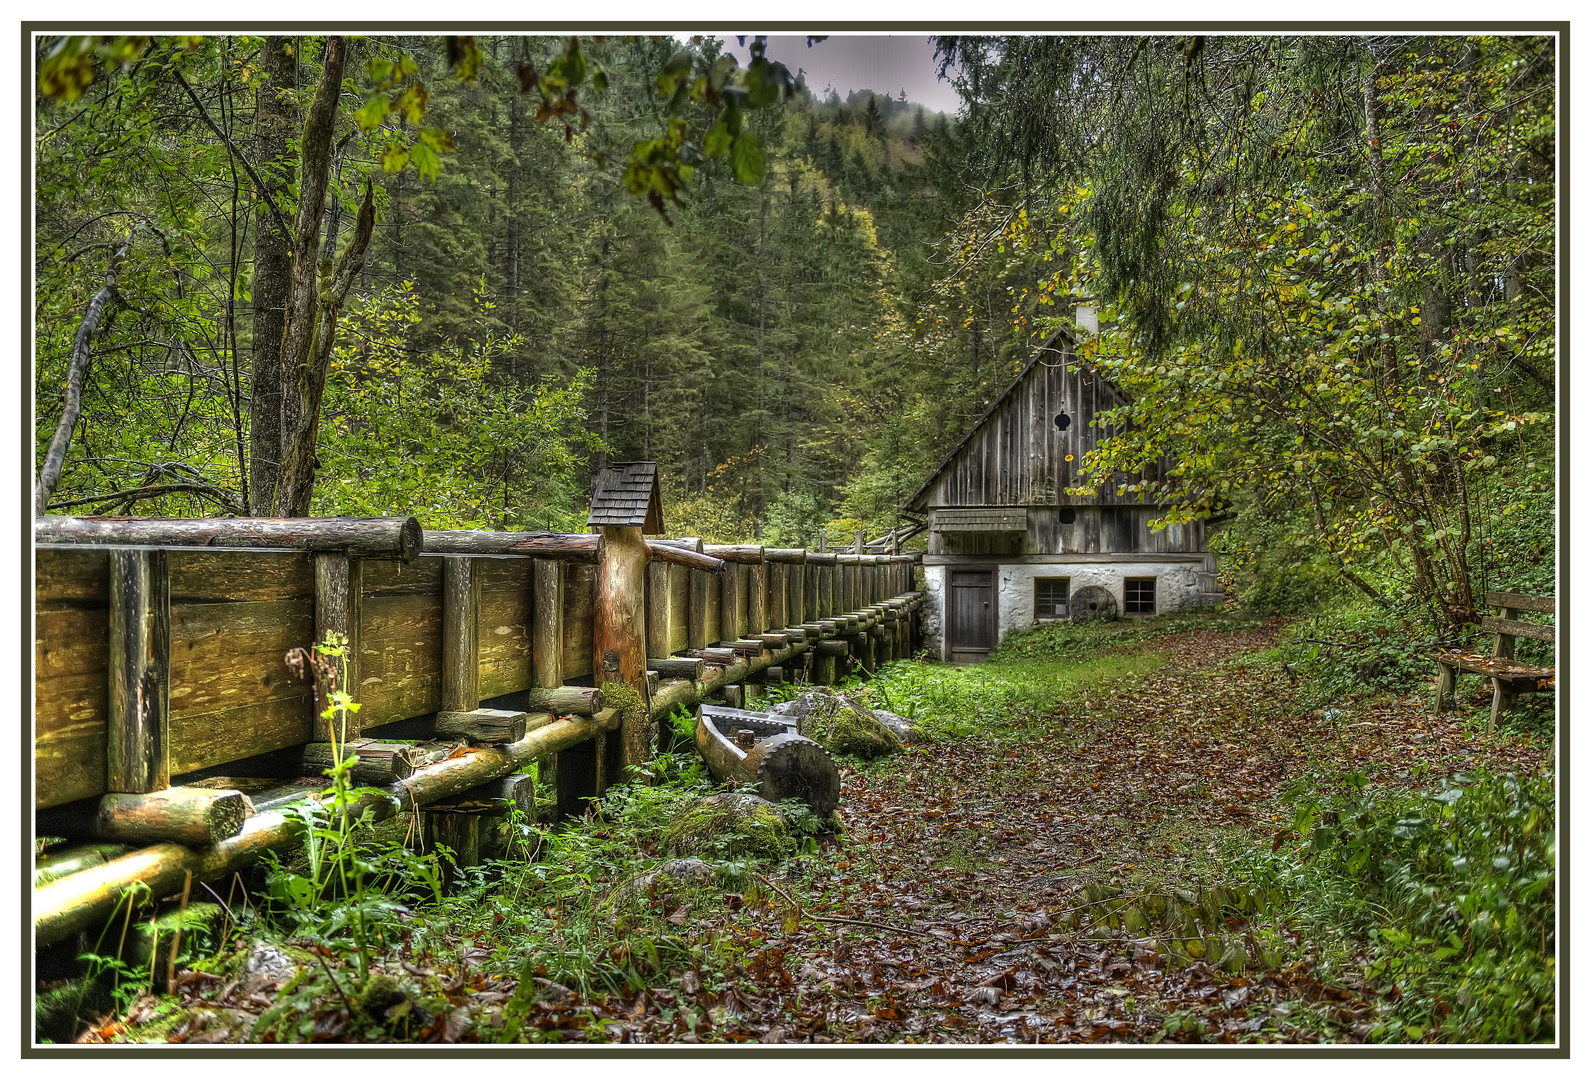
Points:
x=628 y=493
x=983 y=520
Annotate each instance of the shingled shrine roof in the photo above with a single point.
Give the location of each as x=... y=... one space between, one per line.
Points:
x=627 y=493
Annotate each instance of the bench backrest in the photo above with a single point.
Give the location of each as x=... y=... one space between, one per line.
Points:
x=1507 y=628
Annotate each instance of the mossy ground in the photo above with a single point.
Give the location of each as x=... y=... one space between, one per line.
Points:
x=730 y=826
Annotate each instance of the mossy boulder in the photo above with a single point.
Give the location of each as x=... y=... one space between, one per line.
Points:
x=734 y=825
x=662 y=882
x=853 y=729
x=845 y=725
x=389 y=1004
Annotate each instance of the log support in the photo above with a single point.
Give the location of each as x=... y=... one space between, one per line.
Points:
x=339 y=592
x=461 y=602
x=619 y=645
x=138 y=752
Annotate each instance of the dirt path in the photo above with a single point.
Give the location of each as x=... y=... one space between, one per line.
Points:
x=966 y=863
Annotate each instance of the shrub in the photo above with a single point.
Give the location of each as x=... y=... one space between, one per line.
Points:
x=1449 y=893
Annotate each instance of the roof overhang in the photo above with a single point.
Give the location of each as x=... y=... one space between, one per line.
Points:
x=983 y=519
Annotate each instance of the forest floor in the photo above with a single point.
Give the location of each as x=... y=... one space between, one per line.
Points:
x=986 y=889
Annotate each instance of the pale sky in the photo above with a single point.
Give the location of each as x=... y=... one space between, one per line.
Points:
x=883 y=63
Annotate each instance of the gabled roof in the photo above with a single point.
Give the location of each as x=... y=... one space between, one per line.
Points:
x=627 y=493
x=1049 y=345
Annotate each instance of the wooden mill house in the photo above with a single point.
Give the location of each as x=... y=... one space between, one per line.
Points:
x=1008 y=547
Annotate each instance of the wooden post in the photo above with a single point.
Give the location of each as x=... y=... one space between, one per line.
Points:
x=657 y=637
x=728 y=610
x=797 y=580
x=1446 y=683
x=461 y=601
x=776 y=597
x=811 y=575
x=547 y=632
x=339 y=590
x=571 y=772
x=138 y=751
x=757 y=596
x=705 y=588
x=618 y=643
x=861 y=541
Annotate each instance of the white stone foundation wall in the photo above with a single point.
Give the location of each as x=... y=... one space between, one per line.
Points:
x=1176 y=589
x=1176 y=585
x=932 y=614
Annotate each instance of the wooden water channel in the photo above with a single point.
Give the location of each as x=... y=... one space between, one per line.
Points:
x=161 y=669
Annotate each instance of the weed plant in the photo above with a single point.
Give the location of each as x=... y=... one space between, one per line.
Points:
x=1445 y=898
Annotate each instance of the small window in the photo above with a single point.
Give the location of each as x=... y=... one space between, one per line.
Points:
x=1063 y=421
x=1068 y=515
x=1139 y=596
x=1049 y=597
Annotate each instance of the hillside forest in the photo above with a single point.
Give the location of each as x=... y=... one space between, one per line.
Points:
x=1324 y=266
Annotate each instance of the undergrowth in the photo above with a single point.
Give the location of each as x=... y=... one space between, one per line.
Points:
x=1444 y=898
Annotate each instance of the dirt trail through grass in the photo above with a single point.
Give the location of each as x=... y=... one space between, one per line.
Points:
x=979 y=853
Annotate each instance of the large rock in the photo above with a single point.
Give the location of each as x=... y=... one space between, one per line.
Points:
x=733 y=825
x=845 y=725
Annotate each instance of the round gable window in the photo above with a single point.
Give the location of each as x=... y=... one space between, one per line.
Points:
x=1062 y=421
x=1068 y=515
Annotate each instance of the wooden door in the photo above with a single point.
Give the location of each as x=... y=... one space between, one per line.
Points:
x=972 y=614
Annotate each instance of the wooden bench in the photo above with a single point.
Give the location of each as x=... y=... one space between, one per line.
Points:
x=1509 y=679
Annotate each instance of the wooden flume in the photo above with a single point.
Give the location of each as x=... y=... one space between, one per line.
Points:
x=512 y=617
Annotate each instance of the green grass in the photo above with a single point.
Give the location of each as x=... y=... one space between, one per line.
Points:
x=1033 y=672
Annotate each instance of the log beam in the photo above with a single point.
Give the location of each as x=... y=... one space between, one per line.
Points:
x=385 y=537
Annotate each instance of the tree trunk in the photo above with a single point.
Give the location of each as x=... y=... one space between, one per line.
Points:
x=315 y=297
x=273 y=268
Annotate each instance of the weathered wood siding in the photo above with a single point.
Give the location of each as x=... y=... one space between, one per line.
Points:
x=234 y=616
x=502 y=624
x=400 y=637
x=1093 y=529
x=71 y=687
x=1018 y=454
x=579 y=598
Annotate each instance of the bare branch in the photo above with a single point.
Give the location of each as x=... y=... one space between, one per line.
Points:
x=72 y=407
x=265 y=192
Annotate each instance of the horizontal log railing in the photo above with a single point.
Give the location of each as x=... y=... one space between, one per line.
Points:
x=161 y=658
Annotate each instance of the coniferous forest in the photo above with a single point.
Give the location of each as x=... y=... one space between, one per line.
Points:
x=455 y=277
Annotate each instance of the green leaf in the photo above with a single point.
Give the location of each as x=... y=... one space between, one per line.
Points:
x=413 y=103
x=426 y=161
x=746 y=158
x=394 y=158
x=678 y=66
x=372 y=113
x=718 y=140
x=765 y=82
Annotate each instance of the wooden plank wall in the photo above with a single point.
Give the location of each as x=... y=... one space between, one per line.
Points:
x=235 y=614
x=1017 y=457
x=1095 y=529
x=71 y=687
x=502 y=624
